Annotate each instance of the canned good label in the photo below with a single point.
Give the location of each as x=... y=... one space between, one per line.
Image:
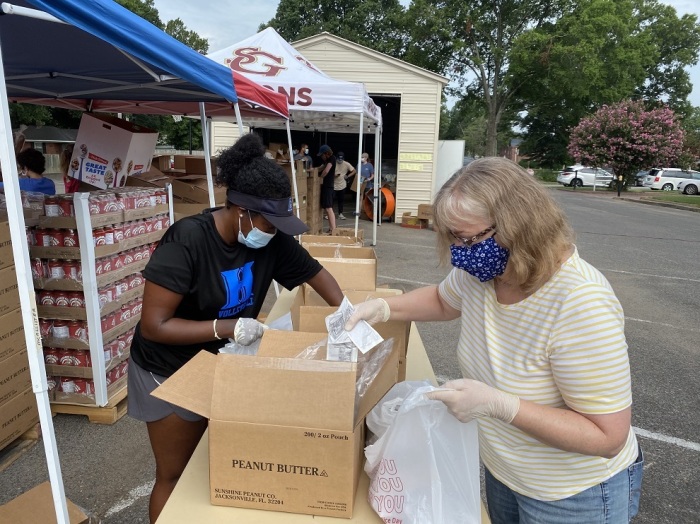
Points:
x=67 y=385
x=60 y=330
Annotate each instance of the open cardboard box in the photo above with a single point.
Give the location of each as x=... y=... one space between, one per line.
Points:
x=285 y=434
x=352 y=267
x=194 y=188
x=309 y=312
x=332 y=240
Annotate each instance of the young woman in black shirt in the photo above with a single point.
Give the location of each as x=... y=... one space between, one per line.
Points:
x=205 y=283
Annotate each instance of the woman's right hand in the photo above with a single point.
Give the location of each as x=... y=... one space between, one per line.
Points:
x=373 y=311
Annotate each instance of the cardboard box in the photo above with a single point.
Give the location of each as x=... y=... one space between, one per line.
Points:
x=425 y=211
x=197 y=165
x=162 y=162
x=108 y=150
x=17 y=416
x=9 y=295
x=296 y=443
x=154 y=177
x=6 y=256
x=413 y=222
x=14 y=376
x=194 y=189
x=332 y=240
x=349 y=232
x=36 y=505
x=12 y=339
x=352 y=267
x=179 y=162
x=309 y=311
x=183 y=210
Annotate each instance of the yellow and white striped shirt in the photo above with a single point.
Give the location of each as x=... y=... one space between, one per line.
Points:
x=563 y=346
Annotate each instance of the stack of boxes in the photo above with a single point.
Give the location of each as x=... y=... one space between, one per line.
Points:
x=18 y=411
x=87 y=260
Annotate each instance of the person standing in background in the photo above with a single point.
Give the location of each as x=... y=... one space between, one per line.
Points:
x=343 y=170
x=303 y=154
x=327 y=172
x=367 y=173
x=71 y=184
x=32 y=165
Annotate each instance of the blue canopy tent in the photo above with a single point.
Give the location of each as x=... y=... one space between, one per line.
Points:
x=97 y=56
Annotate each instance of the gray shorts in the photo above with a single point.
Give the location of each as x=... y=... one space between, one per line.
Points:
x=145 y=407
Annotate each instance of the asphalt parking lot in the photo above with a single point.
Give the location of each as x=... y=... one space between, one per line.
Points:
x=649 y=254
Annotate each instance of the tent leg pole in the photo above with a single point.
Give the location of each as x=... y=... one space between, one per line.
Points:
x=377 y=185
x=295 y=187
x=207 y=154
x=25 y=286
x=358 y=176
x=239 y=118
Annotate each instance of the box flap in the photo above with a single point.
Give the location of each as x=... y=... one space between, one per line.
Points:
x=191 y=386
x=284 y=391
x=340 y=252
x=36 y=505
x=288 y=344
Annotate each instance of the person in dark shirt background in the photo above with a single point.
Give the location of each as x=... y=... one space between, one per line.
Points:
x=205 y=283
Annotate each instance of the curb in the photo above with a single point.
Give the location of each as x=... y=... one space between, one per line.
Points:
x=662 y=204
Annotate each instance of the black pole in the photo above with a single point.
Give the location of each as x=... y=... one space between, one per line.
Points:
x=619 y=185
x=575 y=183
x=190 y=128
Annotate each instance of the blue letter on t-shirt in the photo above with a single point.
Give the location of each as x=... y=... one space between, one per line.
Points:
x=239 y=290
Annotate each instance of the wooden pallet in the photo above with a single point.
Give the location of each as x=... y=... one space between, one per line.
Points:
x=109 y=414
x=19 y=447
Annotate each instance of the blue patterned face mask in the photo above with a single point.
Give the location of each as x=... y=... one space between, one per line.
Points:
x=485 y=260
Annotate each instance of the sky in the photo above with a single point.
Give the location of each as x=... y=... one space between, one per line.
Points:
x=223 y=26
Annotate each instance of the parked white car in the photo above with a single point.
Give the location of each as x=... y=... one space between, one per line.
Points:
x=668 y=178
x=690 y=186
x=580 y=176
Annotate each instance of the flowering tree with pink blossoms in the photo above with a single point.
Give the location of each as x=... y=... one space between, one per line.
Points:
x=628 y=138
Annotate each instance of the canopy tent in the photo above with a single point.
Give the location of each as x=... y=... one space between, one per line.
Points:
x=316 y=101
x=101 y=57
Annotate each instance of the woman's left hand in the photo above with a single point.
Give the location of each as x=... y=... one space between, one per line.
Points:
x=468 y=399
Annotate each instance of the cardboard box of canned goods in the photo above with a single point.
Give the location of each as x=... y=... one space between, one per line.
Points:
x=293 y=440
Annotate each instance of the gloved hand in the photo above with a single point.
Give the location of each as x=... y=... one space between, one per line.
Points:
x=372 y=311
x=469 y=399
x=247 y=331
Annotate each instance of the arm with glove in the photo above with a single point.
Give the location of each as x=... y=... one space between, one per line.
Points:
x=422 y=304
x=566 y=429
x=159 y=324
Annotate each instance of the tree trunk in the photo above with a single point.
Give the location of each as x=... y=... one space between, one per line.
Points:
x=492 y=132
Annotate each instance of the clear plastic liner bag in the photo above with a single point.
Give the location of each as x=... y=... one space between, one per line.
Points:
x=283 y=323
x=425 y=465
x=234 y=348
x=381 y=417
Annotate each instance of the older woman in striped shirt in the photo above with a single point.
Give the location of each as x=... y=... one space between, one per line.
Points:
x=542 y=350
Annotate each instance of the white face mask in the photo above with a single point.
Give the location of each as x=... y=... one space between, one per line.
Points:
x=255 y=239
x=306 y=151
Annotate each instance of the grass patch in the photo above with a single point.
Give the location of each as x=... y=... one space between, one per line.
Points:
x=688 y=200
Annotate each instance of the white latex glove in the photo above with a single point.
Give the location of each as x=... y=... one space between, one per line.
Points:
x=373 y=311
x=468 y=399
x=247 y=331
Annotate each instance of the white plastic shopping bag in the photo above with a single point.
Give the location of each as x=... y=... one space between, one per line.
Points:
x=424 y=468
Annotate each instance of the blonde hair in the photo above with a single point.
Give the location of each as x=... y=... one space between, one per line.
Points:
x=528 y=221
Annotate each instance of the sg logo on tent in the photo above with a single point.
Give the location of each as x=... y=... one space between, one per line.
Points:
x=263 y=63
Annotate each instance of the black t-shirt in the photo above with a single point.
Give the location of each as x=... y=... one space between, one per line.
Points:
x=329 y=179
x=216 y=280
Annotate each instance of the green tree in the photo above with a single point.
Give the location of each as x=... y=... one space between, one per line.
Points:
x=177 y=29
x=377 y=24
x=470 y=43
x=146 y=9
x=599 y=52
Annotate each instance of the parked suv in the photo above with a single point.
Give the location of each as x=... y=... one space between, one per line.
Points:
x=579 y=175
x=690 y=186
x=667 y=178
